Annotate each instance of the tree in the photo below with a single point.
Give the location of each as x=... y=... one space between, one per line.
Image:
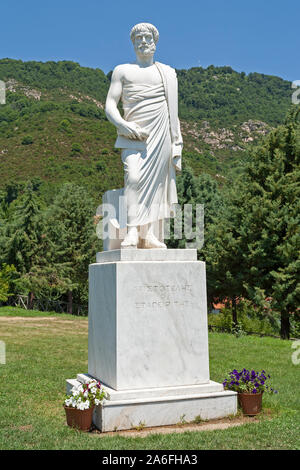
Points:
x=24 y=237
x=7 y=276
x=223 y=253
x=271 y=225
x=72 y=238
x=202 y=190
x=258 y=240
x=186 y=192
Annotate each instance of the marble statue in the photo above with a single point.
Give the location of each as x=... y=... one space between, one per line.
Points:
x=148 y=334
x=149 y=136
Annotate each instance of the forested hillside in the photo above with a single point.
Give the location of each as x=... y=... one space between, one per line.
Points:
x=53 y=126
x=57 y=157
x=225 y=97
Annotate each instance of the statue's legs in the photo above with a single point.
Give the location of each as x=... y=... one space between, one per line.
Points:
x=132 y=177
x=151 y=241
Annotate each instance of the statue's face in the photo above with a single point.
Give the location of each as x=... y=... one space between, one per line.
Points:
x=144 y=44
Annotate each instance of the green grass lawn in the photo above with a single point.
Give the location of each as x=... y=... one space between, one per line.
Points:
x=20 y=312
x=41 y=353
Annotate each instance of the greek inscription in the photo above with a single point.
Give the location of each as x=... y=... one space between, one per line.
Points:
x=161 y=304
x=166 y=288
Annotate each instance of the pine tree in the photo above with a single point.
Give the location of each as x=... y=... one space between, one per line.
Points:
x=7 y=277
x=257 y=242
x=270 y=236
x=72 y=237
x=24 y=237
x=186 y=192
x=202 y=190
x=223 y=253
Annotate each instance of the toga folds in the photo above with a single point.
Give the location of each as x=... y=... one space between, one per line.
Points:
x=155 y=109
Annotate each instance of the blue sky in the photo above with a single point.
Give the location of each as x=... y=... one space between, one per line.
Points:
x=250 y=36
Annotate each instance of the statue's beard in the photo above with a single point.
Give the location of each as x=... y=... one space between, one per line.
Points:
x=145 y=50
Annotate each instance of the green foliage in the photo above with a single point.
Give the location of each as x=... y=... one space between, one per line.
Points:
x=251 y=223
x=27 y=140
x=57 y=349
x=49 y=95
x=202 y=190
x=65 y=126
x=250 y=319
x=7 y=276
x=50 y=246
x=24 y=232
x=254 y=250
x=100 y=166
x=224 y=97
x=76 y=148
x=55 y=76
x=72 y=239
x=87 y=110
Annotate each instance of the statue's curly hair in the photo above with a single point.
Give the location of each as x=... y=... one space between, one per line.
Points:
x=144 y=26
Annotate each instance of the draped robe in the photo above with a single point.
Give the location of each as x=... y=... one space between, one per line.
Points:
x=154 y=179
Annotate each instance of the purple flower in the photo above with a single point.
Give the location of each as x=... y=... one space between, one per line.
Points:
x=252 y=381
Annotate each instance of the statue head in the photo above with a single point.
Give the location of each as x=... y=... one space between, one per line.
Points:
x=144 y=37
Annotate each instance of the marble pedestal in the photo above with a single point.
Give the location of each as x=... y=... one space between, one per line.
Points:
x=148 y=339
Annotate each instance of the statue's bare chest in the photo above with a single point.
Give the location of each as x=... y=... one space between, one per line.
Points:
x=142 y=76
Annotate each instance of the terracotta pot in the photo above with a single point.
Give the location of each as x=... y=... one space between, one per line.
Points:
x=81 y=419
x=251 y=403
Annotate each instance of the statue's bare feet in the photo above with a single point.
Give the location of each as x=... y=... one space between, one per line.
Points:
x=152 y=242
x=131 y=239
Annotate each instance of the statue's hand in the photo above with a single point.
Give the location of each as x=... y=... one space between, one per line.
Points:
x=177 y=163
x=131 y=130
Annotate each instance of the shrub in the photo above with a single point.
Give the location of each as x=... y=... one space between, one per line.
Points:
x=76 y=148
x=27 y=140
x=250 y=320
x=100 y=166
x=65 y=126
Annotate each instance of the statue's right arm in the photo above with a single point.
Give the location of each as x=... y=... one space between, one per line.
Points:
x=128 y=129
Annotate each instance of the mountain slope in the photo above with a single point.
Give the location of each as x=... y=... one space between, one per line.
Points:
x=53 y=126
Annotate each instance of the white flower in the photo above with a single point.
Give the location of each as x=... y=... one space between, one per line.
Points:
x=83 y=405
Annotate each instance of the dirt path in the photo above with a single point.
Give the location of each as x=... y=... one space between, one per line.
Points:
x=36 y=319
x=211 y=425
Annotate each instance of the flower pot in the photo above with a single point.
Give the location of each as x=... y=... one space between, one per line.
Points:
x=81 y=419
x=251 y=403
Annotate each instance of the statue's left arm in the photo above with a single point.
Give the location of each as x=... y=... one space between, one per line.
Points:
x=177 y=148
x=177 y=143
x=169 y=78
